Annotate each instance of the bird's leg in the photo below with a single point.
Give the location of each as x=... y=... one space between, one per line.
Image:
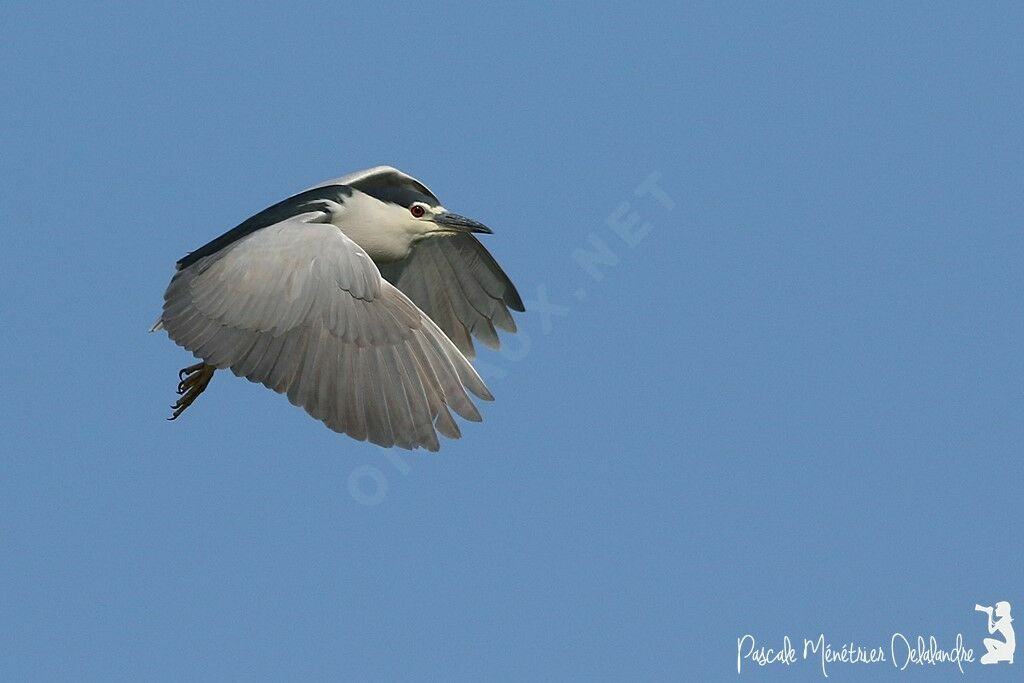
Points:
x=194 y=380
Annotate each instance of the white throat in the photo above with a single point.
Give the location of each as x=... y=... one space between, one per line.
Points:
x=386 y=232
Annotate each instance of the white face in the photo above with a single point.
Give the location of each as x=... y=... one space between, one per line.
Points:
x=386 y=231
x=422 y=215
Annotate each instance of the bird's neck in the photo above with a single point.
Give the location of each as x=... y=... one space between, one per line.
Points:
x=380 y=246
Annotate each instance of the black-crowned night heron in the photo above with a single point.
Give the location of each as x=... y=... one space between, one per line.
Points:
x=358 y=298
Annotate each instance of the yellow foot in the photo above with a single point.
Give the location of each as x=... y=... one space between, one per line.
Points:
x=194 y=380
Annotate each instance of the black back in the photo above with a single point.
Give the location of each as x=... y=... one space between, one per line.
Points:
x=310 y=200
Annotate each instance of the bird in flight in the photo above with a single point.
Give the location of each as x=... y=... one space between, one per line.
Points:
x=359 y=298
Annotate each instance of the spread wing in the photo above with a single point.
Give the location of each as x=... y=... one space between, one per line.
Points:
x=300 y=308
x=457 y=282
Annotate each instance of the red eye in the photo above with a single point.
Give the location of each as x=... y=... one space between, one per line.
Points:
x=417 y=211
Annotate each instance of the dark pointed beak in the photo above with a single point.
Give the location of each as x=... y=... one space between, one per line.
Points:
x=457 y=223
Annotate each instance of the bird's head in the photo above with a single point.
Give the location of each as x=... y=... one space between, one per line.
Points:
x=389 y=212
x=387 y=231
x=429 y=220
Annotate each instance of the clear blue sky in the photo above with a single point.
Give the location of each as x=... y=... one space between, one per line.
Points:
x=792 y=402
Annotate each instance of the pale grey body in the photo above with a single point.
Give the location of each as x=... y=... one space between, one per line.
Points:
x=357 y=298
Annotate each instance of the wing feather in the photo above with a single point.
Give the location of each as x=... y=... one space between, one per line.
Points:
x=457 y=282
x=301 y=309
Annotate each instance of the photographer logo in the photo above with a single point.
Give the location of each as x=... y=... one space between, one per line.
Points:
x=898 y=650
x=997 y=650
